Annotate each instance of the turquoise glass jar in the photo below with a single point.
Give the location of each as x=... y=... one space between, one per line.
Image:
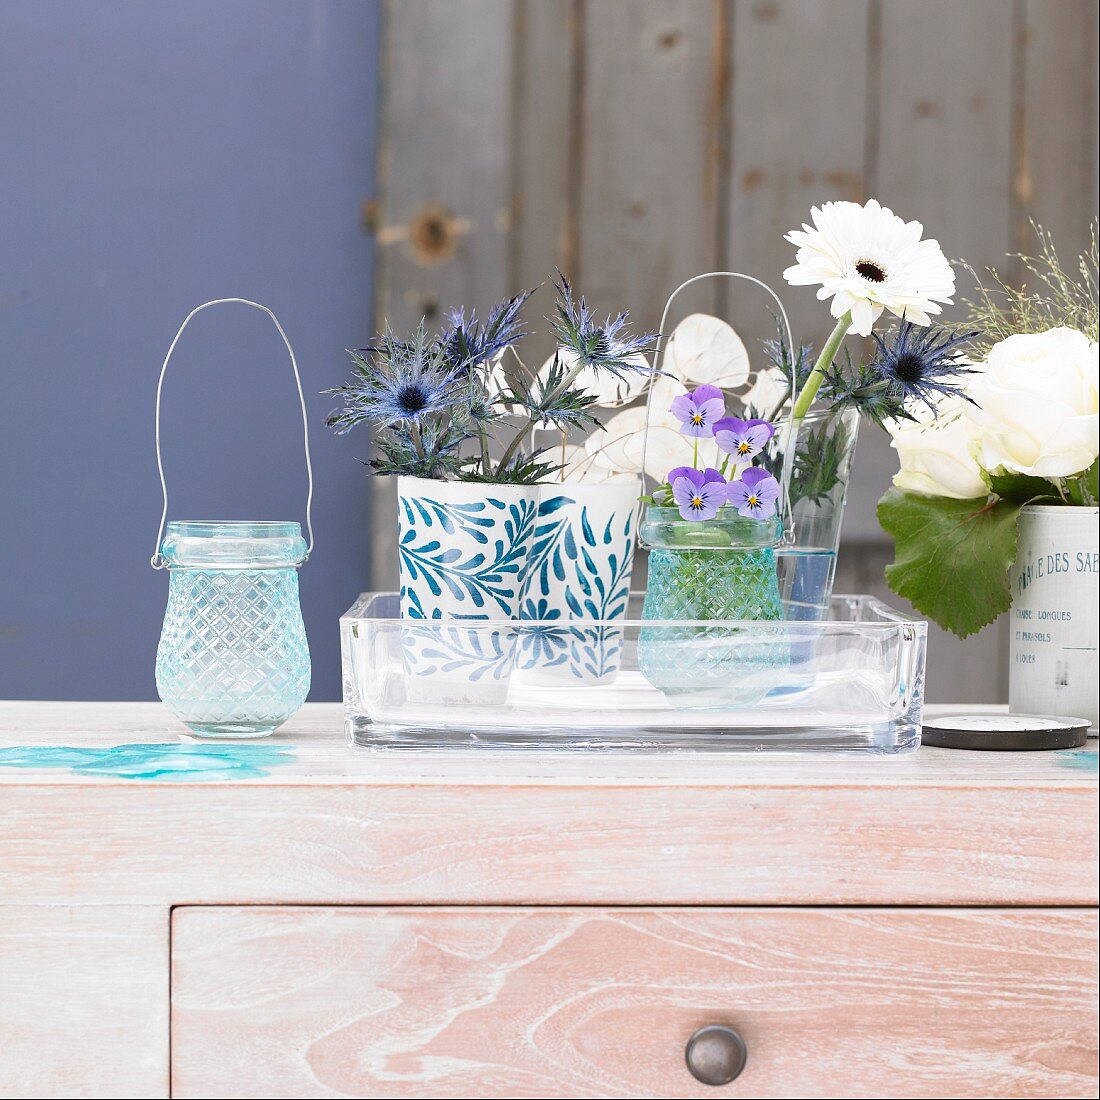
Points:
x=233 y=660
x=704 y=580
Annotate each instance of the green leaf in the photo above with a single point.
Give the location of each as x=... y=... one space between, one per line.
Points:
x=951 y=557
x=1020 y=488
x=817 y=463
x=1084 y=491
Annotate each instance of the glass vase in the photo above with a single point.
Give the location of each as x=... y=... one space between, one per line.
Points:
x=233 y=660
x=717 y=570
x=825 y=444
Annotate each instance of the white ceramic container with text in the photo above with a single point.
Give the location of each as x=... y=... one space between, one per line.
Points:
x=1054 y=613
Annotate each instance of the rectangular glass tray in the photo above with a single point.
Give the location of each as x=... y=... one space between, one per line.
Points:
x=851 y=682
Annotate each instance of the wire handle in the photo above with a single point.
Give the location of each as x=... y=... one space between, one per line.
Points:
x=157 y=560
x=790 y=431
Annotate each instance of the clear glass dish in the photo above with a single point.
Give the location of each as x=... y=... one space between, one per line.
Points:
x=851 y=682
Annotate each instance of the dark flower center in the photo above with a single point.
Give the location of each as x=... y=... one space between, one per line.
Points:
x=411 y=398
x=869 y=270
x=909 y=368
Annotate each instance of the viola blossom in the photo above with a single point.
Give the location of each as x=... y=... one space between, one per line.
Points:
x=698 y=411
x=754 y=494
x=698 y=493
x=866 y=259
x=743 y=439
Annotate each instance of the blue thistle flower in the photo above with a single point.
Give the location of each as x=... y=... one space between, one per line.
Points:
x=608 y=346
x=467 y=343
x=921 y=363
x=398 y=382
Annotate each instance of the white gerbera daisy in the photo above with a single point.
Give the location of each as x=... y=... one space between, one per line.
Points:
x=867 y=259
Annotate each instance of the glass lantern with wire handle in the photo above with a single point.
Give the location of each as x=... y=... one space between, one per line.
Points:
x=233 y=660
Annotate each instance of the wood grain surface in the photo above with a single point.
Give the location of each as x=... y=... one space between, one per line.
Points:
x=83 y=1001
x=578 y=1002
x=333 y=824
x=313 y=749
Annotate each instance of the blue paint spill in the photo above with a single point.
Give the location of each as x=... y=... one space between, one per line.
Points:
x=165 y=761
x=1082 y=760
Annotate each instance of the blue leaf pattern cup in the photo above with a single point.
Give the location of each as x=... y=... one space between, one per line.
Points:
x=463 y=552
x=580 y=566
x=473 y=553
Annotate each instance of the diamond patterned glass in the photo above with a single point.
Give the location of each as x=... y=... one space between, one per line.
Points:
x=233 y=660
x=699 y=665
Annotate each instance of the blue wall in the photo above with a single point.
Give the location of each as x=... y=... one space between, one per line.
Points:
x=153 y=156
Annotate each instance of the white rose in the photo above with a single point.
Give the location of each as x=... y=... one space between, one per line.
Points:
x=1037 y=404
x=937 y=455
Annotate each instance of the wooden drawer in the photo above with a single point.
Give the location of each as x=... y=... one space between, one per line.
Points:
x=331 y=1001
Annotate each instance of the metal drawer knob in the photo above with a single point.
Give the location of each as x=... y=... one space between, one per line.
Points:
x=715 y=1055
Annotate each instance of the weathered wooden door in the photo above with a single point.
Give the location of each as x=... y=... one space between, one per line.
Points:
x=633 y=143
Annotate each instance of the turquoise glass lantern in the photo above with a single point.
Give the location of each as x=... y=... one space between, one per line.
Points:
x=708 y=579
x=233 y=660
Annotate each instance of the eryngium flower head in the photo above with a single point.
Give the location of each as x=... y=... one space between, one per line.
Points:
x=398 y=382
x=469 y=343
x=608 y=346
x=921 y=365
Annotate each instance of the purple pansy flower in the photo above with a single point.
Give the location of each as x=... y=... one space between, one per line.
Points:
x=744 y=439
x=698 y=493
x=697 y=411
x=754 y=494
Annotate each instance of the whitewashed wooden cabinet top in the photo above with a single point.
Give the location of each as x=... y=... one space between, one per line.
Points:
x=303 y=817
x=307 y=919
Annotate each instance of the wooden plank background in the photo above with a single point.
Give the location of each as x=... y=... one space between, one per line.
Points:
x=633 y=143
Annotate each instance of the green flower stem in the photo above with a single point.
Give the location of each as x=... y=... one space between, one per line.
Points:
x=414 y=435
x=824 y=361
x=486 y=460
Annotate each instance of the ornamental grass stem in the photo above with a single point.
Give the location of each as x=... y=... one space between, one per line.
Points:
x=824 y=361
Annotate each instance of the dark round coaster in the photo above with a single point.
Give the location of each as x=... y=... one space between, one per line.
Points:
x=1004 y=732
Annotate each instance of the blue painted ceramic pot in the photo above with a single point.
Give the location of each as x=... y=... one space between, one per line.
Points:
x=463 y=550
x=580 y=568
